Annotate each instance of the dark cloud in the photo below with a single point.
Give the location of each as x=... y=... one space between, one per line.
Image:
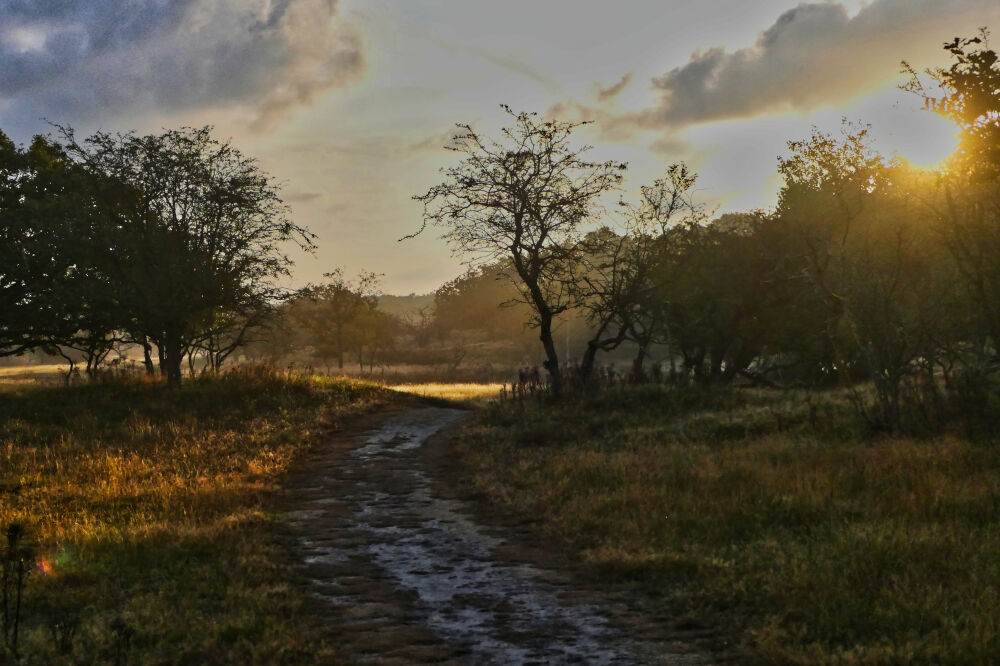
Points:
x=83 y=61
x=814 y=54
x=607 y=94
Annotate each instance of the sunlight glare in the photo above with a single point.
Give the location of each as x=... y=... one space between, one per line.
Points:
x=922 y=138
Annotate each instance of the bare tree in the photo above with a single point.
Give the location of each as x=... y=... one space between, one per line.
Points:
x=524 y=199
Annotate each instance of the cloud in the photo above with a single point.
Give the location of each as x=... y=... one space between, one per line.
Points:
x=300 y=197
x=81 y=61
x=435 y=142
x=608 y=94
x=609 y=125
x=813 y=55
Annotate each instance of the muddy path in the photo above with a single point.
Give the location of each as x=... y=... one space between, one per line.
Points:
x=406 y=576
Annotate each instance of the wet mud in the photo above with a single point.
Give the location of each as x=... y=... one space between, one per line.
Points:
x=409 y=577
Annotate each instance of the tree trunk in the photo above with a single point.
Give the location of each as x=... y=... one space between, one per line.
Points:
x=551 y=356
x=171 y=363
x=147 y=357
x=638 y=371
x=162 y=353
x=595 y=345
x=588 y=362
x=696 y=362
x=716 y=356
x=887 y=394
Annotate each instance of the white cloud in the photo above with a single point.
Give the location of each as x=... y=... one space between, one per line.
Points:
x=813 y=55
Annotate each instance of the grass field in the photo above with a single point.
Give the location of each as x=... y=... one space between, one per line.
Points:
x=477 y=394
x=149 y=513
x=30 y=375
x=764 y=514
x=47 y=369
x=770 y=516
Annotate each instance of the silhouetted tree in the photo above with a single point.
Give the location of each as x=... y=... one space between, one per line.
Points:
x=666 y=210
x=192 y=229
x=871 y=264
x=54 y=291
x=522 y=199
x=968 y=94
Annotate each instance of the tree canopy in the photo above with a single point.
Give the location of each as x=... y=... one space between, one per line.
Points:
x=175 y=239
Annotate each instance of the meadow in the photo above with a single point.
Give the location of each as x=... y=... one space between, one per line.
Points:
x=772 y=520
x=770 y=517
x=149 y=516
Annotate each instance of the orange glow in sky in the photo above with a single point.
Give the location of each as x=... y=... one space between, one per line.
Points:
x=928 y=142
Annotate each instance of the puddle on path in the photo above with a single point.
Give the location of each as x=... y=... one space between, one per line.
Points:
x=379 y=513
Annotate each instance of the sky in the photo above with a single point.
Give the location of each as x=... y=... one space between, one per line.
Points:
x=348 y=103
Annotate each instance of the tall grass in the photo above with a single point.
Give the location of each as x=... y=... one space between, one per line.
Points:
x=150 y=511
x=766 y=514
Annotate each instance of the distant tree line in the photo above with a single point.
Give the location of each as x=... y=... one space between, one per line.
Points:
x=342 y=325
x=172 y=242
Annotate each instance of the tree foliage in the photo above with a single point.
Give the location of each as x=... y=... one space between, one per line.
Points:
x=175 y=239
x=336 y=313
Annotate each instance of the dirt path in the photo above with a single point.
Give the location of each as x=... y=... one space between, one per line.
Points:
x=410 y=578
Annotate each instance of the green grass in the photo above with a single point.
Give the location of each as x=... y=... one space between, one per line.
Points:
x=151 y=512
x=767 y=515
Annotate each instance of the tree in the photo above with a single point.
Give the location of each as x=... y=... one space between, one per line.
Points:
x=53 y=292
x=192 y=231
x=481 y=301
x=871 y=265
x=522 y=199
x=333 y=313
x=603 y=283
x=228 y=331
x=653 y=284
x=968 y=94
x=376 y=333
x=666 y=212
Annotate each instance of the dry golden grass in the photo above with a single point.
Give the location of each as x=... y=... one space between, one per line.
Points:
x=151 y=506
x=47 y=369
x=16 y=377
x=471 y=393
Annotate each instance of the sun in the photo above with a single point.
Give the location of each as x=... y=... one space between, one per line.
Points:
x=922 y=138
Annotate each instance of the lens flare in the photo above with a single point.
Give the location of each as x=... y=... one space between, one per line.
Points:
x=45 y=567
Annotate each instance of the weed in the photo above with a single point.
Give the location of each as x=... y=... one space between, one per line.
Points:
x=15 y=564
